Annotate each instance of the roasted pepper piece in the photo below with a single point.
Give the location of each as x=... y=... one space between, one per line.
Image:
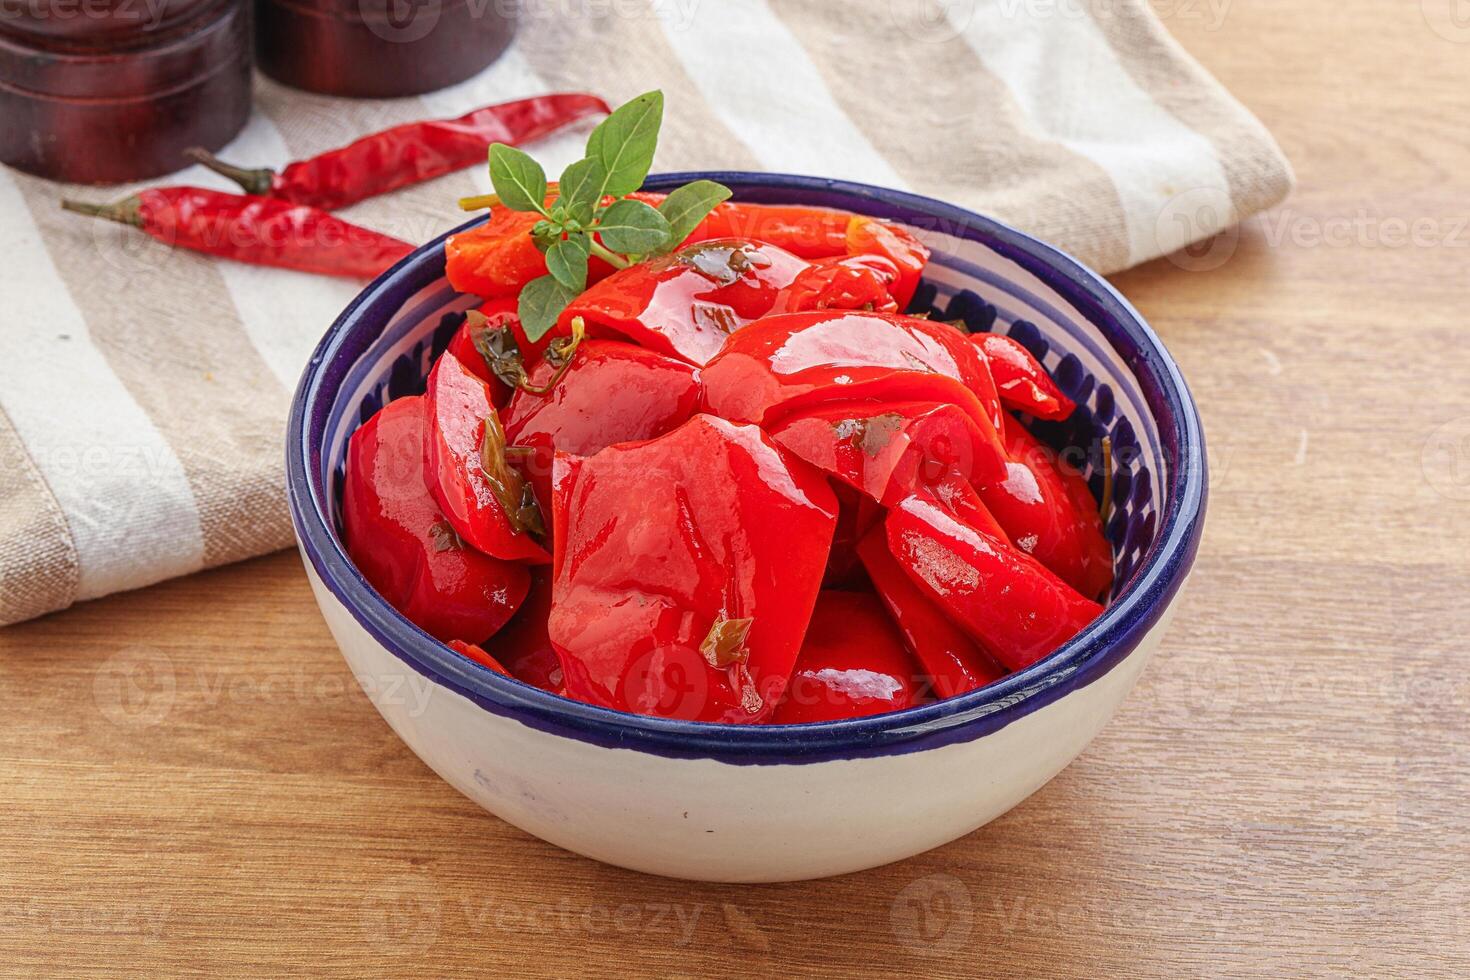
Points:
x=524 y=646
x=1048 y=512
x=464 y=465
x=1021 y=381
x=782 y=365
x=847 y=282
x=472 y=652
x=686 y=568
x=612 y=392
x=852 y=664
x=955 y=663
x=1007 y=601
x=398 y=538
x=889 y=450
x=686 y=303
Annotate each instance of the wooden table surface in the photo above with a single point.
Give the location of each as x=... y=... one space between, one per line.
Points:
x=192 y=782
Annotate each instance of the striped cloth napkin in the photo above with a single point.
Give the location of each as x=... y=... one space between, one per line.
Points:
x=143 y=392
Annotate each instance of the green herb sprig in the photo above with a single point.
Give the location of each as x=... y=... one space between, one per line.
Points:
x=592 y=213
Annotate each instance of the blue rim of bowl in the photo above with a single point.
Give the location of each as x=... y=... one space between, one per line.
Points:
x=1087 y=657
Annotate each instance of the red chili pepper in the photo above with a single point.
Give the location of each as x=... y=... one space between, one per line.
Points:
x=464 y=464
x=410 y=153
x=686 y=569
x=782 y=365
x=1021 y=381
x=524 y=646
x=1048 y=512
x=955 y=663
x=889 y=450
x=259 y=230
x=687 y=303
x=399 y=540
x=852 y=664
x=1004 y=599
x=611 y=392
x=472 y=652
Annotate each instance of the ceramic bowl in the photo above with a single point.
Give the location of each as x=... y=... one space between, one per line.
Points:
x=770 y=803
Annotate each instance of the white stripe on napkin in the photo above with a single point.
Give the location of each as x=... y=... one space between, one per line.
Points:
x=765 y=88
x=126 y=499
x=1098 y=111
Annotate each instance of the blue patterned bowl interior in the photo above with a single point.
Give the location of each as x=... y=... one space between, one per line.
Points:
x=988 y=276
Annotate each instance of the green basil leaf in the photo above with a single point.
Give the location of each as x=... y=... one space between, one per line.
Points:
x=519 y=181
x=686 y=207
x=581 y=188
x=625 y=141
x=541 y=302
x=566 y=260
x=632 y=227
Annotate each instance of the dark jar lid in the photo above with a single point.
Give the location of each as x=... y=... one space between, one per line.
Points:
x=380 y=48
x=96 y=22
x=102 y=113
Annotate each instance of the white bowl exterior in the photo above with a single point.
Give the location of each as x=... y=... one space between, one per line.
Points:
x=713 y=821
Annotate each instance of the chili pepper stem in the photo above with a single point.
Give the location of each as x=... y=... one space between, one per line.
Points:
x=579 y=331
x=123 y=212
x=479 y=202
x=253 y=181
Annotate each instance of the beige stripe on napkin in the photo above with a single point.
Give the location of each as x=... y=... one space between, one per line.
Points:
x=38 y=563
x=1097 y=133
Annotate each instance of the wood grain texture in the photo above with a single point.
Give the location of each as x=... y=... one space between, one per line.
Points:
x=192 y=784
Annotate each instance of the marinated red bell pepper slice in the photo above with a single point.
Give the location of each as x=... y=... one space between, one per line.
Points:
x=888 y=450
x=686 y=303
x=785 y=364
x=846 y=282
x=611 y=392
x=954 y=662
x=469 y=343
x=852 y=664
x=869 y=236
x=1048 y=512
x=1007 y=601
x=485 y=499
x=472 y=652
x=496 y=258
x=398 y=538
x=1021 y=381
x=856 y=513
x=524 y=646
x=686 y=569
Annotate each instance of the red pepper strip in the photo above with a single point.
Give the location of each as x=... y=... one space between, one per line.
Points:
x=399 y=540
x=497 y=258
x=258 y=230
x=411 y=153
x=889 y=450
x=1058 y=526
x=856 y=513
x=781 y=365
x=869 y=236
x=465 y=468
x=852 y=664
x=499 y=314
x=524 y=646
x=686 y=569
x=471 y=652
x=1006 y=600
x=611 y=392
x=955 y=663
x=687 y=303
x=846 y=282
x=1022 y=382
x=811 y=233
